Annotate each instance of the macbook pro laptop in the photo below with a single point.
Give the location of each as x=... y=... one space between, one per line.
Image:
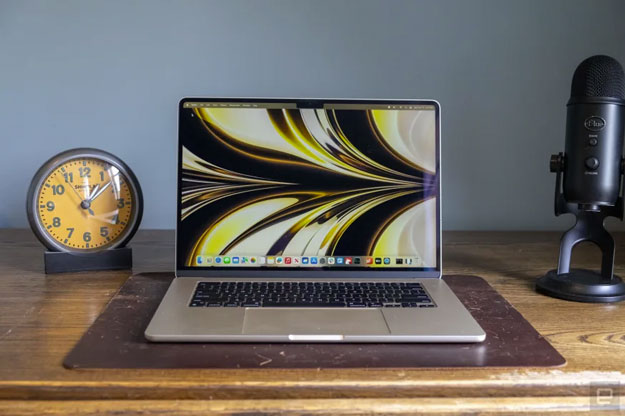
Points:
x=309 y=220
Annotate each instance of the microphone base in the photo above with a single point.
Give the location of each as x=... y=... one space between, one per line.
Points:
x=581 y=285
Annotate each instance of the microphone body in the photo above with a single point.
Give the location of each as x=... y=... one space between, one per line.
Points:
x=593 y=152
x=595 y=126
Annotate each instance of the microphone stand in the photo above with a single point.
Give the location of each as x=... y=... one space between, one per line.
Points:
x=580 y=284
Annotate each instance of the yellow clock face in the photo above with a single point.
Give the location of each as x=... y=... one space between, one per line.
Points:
x=85 y=204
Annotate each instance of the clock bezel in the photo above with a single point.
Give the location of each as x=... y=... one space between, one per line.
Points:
x=83 y=153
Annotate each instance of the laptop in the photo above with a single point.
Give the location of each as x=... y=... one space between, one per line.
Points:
x=309 y=220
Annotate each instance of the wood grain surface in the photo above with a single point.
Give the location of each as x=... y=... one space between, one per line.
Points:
x=42 y=317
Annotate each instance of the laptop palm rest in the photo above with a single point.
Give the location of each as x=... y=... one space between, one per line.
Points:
x=331 y=322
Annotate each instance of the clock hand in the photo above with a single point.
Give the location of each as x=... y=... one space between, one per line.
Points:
x=95 y=189
x=86 y=201
x=86 y=186
x=98 y=192
x=84 y=204
x=74 y=189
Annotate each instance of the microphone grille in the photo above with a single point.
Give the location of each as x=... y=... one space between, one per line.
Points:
x=599 y=76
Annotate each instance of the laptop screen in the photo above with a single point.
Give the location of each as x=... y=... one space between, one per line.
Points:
x=332 y=184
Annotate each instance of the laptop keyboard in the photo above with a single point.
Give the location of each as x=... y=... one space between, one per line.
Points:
x=311 y=294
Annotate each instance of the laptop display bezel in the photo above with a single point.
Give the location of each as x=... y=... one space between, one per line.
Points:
x=313 y=272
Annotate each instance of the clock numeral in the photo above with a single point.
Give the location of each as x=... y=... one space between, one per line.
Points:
x=69 y=177
x=101 y=175
x=58 y=189
x=50 y=206
x=56 y=222
x=71 y=231
x=86 y=237
x=85 y=172
x=114 y=219
x=121 y=203
x=104 y=231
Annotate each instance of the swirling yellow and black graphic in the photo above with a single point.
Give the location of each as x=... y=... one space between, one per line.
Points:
x=308 y=182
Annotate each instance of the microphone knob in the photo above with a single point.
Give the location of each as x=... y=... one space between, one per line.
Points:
x=556 y=163
x=592 y=163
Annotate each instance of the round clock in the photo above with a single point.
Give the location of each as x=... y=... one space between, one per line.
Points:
x=83 y=201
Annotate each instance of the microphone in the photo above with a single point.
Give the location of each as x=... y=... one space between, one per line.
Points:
x=588 y=180
x=594 y=134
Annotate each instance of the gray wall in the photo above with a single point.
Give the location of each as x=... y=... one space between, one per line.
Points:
x=109 y=74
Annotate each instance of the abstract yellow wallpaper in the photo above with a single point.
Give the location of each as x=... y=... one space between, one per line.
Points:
x=309 y=182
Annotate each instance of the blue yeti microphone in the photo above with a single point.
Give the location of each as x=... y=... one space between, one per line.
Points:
x=589 y=180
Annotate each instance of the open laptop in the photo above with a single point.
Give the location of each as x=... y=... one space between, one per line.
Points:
x=309 y=220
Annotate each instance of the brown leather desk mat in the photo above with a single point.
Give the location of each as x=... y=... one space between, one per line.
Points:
x=115 y=340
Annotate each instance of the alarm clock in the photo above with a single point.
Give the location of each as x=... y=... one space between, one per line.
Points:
x=85 y=205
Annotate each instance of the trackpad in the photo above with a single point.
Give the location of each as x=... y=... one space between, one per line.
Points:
x=277 y=321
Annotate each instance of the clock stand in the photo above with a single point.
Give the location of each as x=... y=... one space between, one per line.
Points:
x=110 y=259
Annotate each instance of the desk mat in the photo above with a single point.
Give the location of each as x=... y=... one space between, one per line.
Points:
x=115 y=340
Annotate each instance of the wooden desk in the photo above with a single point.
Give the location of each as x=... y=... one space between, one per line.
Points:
x=42 y=317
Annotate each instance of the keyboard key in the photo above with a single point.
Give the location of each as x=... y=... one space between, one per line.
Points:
x=197 y=303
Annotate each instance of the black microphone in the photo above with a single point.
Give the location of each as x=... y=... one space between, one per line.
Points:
x=594 y=134
x=588 y=181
